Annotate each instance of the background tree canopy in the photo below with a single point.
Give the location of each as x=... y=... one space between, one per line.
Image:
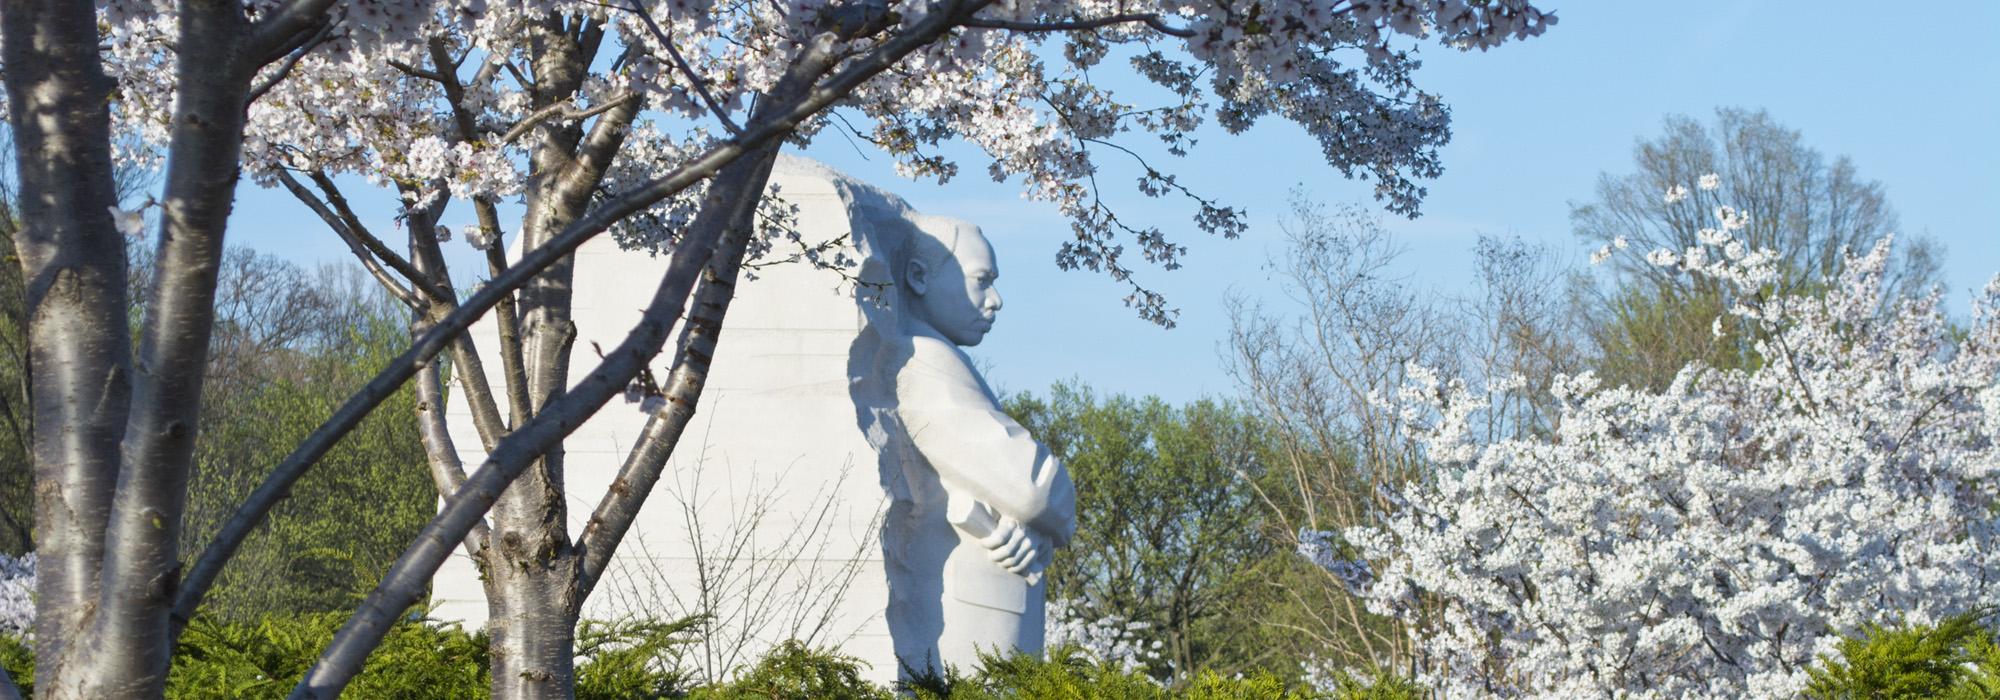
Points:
x=1645 y=321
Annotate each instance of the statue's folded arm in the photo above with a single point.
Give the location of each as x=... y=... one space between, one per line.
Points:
x=980 y=451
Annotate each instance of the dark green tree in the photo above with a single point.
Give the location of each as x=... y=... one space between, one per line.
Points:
x=1170 y=532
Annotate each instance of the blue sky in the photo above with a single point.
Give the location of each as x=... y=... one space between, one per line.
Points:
x=1912 y=97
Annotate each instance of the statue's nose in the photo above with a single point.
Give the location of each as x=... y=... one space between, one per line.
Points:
x=993 y=302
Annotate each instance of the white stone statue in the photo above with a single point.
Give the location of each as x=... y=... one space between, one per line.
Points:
x=977 y=505
x=839 y=442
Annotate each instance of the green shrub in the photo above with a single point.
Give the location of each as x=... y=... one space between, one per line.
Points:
x=636 y=658
x=1347 y=687
x=1069 y=674
x=419 y=659
x=794 y=670
x=1956 y=658
x=18 y=657
x=1066 y=673
x=631 y=658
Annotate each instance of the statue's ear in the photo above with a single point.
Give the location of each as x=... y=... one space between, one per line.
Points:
x=916 y=277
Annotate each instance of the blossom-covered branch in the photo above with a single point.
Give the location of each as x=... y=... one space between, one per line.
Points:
x=1718 y=536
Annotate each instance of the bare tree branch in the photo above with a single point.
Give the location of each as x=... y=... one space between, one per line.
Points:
x=568 y=113
x=363 y=238
x=291 y=61
x=656 y=443
x=436 y=286
x=447 y=472
x=422 y=227
x=333 y=221
x=1150 y=20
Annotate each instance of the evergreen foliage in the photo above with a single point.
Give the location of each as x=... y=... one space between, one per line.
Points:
x=630 y=659
x=1956 y=659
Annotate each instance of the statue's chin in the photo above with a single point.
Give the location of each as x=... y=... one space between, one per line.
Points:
x=968 y=338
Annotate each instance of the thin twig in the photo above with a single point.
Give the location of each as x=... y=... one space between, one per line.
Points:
x=1148 y=19
x=680 y=63
x=563 y=109
x=291 y=61
x=333 y=221
x=362 y=236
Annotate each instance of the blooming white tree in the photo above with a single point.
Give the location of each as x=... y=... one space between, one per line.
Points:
x=1711 y=539
x=1111 y=640
x=661 y=118
x=17 y=595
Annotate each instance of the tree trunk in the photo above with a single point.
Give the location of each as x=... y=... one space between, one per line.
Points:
x=532 y=573
x=532 y=610
x=130 y=643
x=73 y=261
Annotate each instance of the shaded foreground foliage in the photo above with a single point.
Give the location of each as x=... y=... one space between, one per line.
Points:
x=423 y=659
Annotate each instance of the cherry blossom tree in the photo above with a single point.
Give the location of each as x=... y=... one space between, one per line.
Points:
x=1715 y=537
x=657 y=120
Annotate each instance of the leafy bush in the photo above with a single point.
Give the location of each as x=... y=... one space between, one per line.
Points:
x=638 y=658
x=793 y=670
x=631 y=658
x=1070 y=672
x=1957 y=658
x=418 y=659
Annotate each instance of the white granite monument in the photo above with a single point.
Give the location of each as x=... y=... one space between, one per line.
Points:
x=850 y=479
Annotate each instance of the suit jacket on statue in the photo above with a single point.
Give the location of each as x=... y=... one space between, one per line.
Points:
x=947 y=440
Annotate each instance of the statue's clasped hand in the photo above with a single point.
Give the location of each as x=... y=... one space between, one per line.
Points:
x=1009 y=543
x=1017 y=548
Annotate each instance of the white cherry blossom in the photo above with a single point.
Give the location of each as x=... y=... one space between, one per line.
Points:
x=1714 y=538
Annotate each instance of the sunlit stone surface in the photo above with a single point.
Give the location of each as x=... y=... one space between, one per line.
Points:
x=774 y=513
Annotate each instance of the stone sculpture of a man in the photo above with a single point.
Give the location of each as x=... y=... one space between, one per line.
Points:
x=977 y=504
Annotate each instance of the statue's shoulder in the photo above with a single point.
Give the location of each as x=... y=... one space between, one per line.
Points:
x=937 y=370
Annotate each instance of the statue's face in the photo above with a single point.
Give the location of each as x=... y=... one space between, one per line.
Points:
x=957 y=297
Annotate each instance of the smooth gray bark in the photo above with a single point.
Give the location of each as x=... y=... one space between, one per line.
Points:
x=648 y=458
x=73 y=263
x=530 y=578
x=130 y=645
x=115 y=438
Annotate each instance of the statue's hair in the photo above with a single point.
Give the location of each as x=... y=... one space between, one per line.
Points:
x=932 y=241
x=890 y=234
